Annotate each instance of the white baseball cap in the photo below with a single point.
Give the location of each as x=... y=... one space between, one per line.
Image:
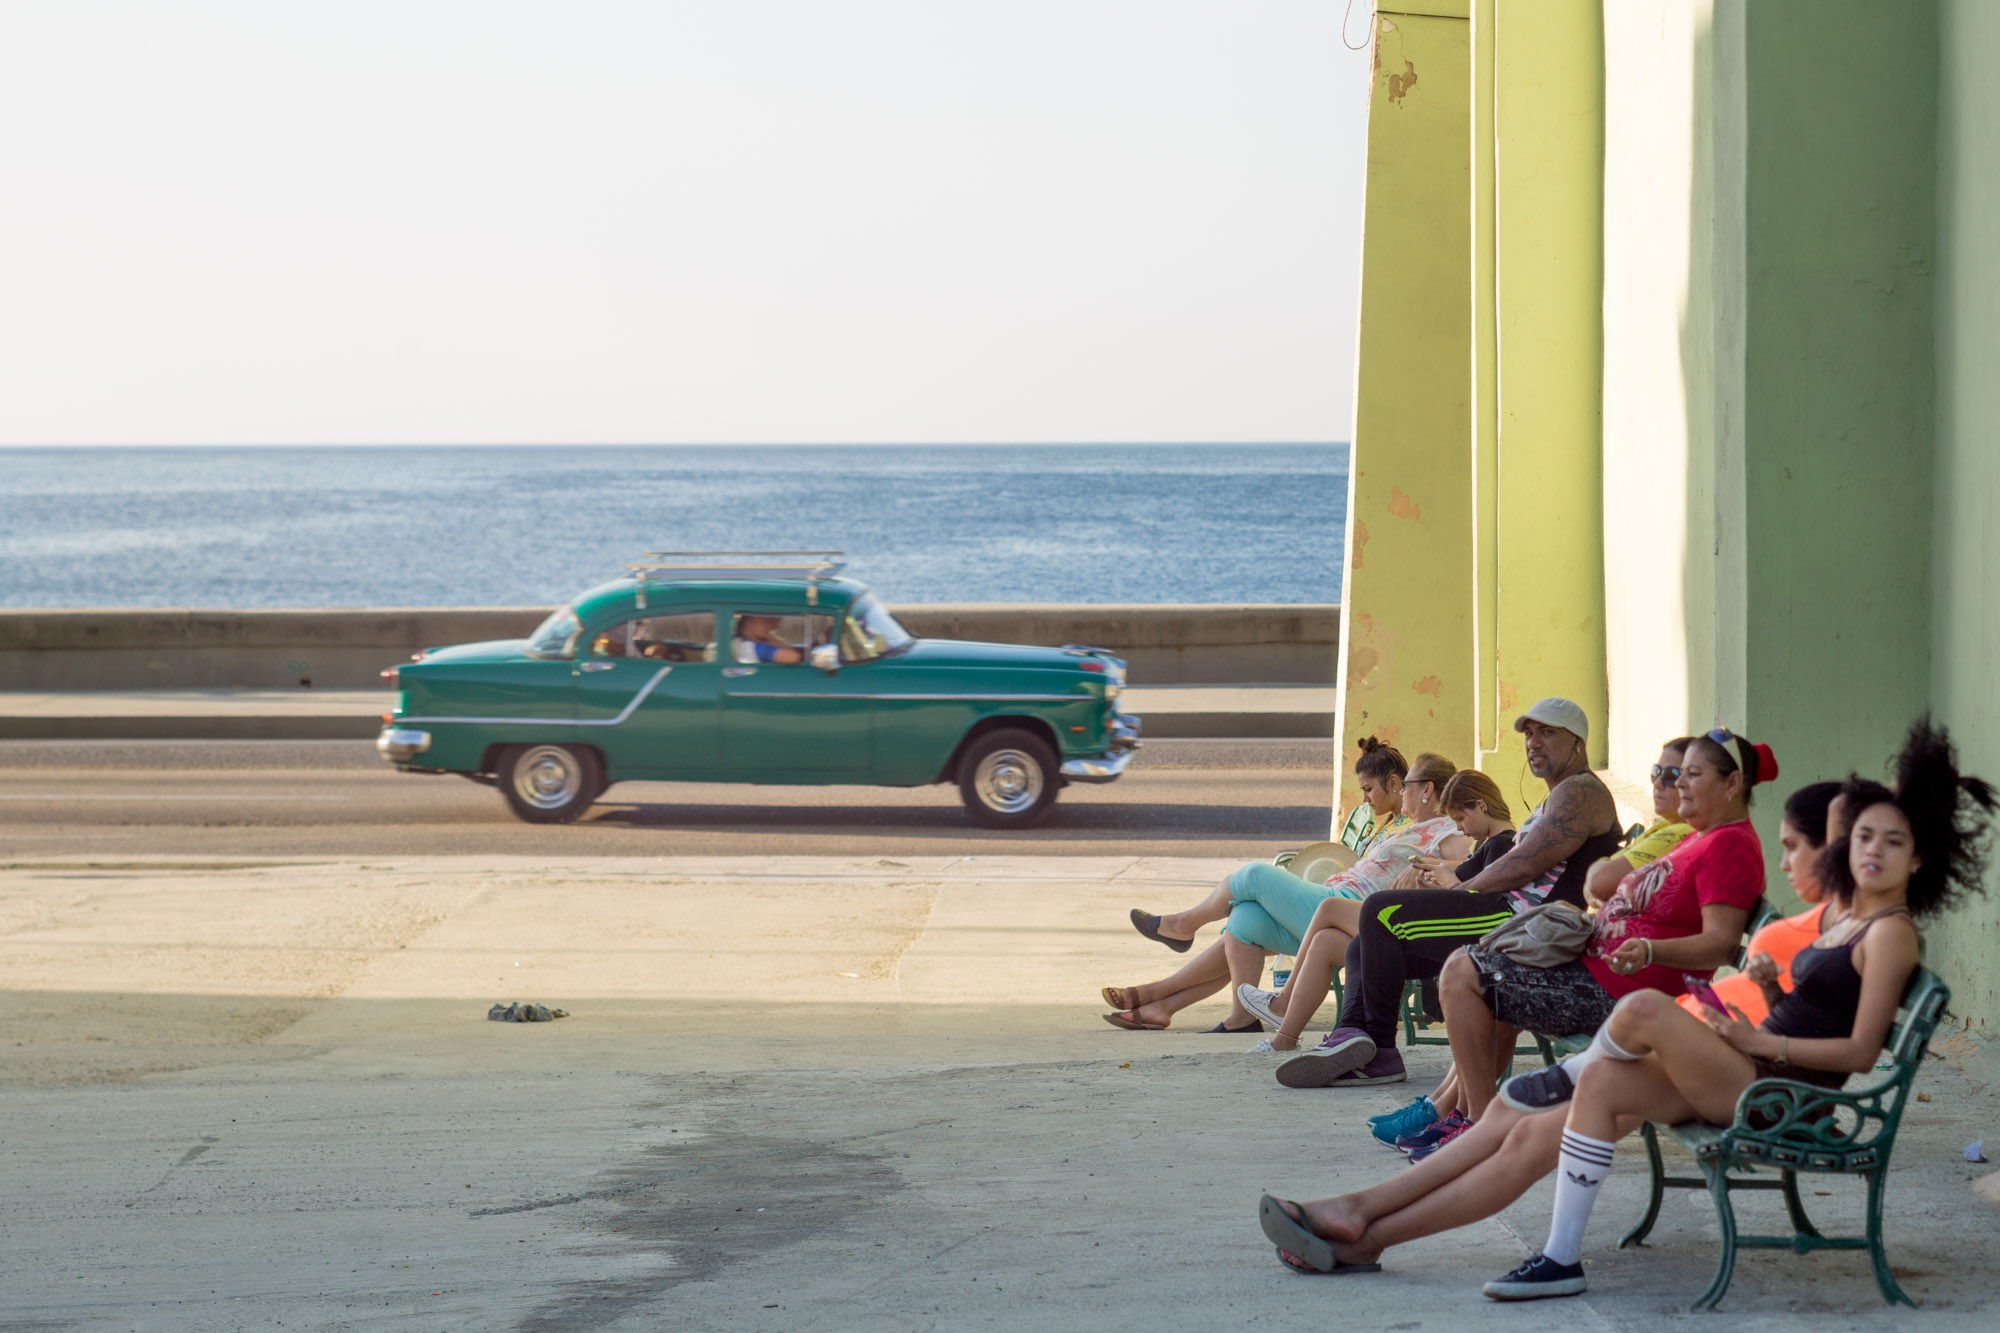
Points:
x=1556 y=713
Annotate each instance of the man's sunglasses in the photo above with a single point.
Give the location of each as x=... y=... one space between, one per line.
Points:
x=1666 y=773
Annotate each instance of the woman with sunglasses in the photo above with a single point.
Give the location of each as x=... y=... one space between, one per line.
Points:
x=1683 y=914
x=1657 y=838
x=1907 y=853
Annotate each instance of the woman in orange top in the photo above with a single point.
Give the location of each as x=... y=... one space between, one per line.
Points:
x=1768 y=971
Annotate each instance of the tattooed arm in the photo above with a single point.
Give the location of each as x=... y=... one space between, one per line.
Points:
x=1578 y=807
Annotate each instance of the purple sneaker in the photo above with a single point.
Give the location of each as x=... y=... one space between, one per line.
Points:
x=1341 y=1051
x=1385 y=1066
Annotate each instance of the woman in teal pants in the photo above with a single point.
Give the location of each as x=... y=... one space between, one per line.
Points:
x=1269 y=909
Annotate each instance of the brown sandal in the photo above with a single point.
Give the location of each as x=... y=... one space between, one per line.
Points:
x=1118 y=997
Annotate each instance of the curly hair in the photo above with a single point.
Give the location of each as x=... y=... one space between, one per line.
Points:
x=1380 y=760
x=1950 y=815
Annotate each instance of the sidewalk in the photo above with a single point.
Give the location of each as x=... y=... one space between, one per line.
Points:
x=793 y=1092
x=1171 y=712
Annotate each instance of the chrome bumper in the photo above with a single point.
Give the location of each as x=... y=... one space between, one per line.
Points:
x=1110 y=765
x=398 y=746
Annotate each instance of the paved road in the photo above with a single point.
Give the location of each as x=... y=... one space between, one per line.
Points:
x=336 y=798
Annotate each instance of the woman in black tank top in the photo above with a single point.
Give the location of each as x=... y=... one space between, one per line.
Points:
x=1906 y=853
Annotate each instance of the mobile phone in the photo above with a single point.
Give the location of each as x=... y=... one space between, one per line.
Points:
x=1702 y=991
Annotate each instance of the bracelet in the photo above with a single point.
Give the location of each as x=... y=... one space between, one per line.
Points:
x=1649 y=952
x=1784 y=1050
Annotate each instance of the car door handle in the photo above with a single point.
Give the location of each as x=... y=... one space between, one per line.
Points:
x=597 y=666
x=739 y=671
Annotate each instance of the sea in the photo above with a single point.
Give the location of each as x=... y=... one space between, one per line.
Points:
x=242 y=528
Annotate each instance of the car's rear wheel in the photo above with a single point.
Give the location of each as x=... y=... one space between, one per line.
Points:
x=550 y=784
x=1008 y=778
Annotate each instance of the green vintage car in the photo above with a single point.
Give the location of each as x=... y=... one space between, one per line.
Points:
x=756 y=669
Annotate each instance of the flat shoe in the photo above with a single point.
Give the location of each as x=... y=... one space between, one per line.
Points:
x=1252 y=1026
x=1296 y=1241
x=1133 y=1024
x=1149 y=925
x=1116 y=997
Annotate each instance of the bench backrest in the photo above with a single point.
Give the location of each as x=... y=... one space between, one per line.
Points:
x=1917 y=1017
x=1806 y=1126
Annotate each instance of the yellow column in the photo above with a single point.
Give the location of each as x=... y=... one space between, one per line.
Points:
x=1406 y=609
x=1548 y=262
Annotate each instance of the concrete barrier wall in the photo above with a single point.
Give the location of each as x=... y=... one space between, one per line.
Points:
x=181 y=650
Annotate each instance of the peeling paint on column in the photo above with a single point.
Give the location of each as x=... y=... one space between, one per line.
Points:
x=1400 y=84
x=1429 y=685
x=1509 y=696
x=1402 y=506
x=1360 y=541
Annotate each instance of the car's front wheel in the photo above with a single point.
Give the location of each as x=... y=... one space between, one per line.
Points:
x=1008 y=778
x=550 y=784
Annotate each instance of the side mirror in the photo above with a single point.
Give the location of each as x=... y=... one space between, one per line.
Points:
x=826 y=657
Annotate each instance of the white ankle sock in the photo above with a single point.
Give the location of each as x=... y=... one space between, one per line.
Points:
x=1579 y=1171
x=1601 y=1048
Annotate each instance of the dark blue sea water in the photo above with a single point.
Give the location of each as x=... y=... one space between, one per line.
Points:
x=241 y=528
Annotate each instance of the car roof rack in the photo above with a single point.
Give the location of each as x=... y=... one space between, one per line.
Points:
x=675 y=566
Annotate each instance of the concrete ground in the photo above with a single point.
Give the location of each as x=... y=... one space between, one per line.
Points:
x=868 y=1092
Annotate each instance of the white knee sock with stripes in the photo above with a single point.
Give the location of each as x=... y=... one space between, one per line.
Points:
x=1601 y=1048
x=1579 y=1171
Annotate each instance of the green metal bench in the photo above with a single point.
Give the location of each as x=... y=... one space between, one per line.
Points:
x=1790 y=1127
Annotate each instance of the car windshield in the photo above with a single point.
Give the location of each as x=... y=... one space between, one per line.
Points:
x=552 y=637
x=870 y=632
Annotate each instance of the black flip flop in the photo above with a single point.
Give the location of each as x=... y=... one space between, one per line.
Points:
x=1252 y=1026
x=1149 y=926
x=1295 y=1240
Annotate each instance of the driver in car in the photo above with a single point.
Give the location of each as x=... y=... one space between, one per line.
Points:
x=757 y=641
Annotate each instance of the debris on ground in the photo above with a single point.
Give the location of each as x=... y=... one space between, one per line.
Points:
x=519 y=1012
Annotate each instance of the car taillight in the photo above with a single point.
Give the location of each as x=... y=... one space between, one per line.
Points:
x=390 y=676
x=1091 y=665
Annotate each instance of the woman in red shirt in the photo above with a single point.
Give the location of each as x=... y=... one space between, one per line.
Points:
x=1683 y=913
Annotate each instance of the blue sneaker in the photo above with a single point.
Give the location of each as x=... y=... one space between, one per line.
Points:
x=1392 y=1125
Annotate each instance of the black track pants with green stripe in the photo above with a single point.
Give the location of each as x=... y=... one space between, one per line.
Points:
x=1409 y=933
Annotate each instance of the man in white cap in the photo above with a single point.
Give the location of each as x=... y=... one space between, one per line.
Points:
x=1411 y=932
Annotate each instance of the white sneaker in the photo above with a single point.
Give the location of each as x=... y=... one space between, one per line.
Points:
x=1263 y=1047
x=1258 y=1002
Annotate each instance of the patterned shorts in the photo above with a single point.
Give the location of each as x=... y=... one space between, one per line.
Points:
x=1554 y=1001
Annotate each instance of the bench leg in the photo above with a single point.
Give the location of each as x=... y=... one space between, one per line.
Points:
x=1878 y=1181
x=1717 y=1174
x=1638 y=1233
x=1797 y=1208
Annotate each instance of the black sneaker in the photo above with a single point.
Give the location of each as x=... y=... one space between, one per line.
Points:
x=1543 y=1090
x=1540 y=1276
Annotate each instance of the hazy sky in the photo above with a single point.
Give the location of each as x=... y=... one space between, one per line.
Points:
x=678 y=221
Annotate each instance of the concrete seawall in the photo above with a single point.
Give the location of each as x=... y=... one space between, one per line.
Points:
x=265 y=650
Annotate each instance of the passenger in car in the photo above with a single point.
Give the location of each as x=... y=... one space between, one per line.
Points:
x=757 y=641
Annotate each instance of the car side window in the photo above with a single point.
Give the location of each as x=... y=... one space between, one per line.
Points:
x=686 y=637
x=777 y=640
